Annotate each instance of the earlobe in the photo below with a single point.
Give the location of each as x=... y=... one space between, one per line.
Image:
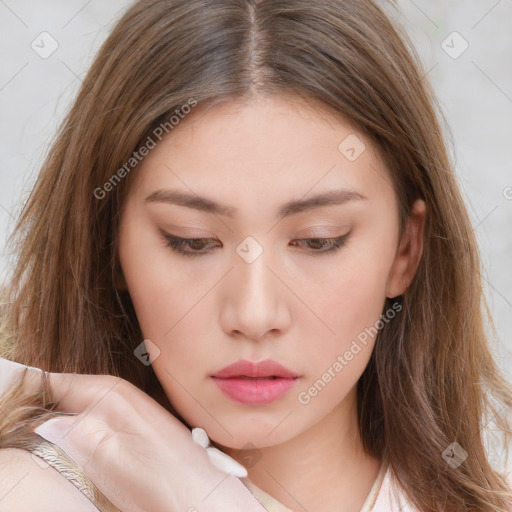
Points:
x=409 y=252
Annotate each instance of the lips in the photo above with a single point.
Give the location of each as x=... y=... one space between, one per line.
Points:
x=245 y=368
x=255 y=384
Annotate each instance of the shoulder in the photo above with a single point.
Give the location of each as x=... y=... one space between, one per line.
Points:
x=27 y=483
x=390 y=498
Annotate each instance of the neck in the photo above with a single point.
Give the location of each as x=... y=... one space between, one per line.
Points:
x=324 y=468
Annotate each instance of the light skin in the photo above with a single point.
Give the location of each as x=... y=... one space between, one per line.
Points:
x=302 y=310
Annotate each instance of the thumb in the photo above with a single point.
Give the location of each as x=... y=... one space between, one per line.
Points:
x=226 y=463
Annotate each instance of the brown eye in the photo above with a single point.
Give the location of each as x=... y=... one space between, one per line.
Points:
x=196 y=245
x=317 y=244
x=200 y=246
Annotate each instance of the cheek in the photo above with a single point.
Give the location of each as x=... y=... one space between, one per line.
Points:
x=349 y=304
x=162 y=294
x=350 y=299
x=177 y=323
x=171 y=308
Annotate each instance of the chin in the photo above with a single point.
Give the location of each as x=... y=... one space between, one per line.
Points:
x=246 y=435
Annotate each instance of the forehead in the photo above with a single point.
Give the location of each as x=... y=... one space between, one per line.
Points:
x=248 y=152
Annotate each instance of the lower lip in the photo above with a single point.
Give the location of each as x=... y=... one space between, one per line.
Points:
x=254 y=391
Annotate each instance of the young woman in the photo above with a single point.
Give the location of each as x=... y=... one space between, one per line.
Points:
x=255 y=198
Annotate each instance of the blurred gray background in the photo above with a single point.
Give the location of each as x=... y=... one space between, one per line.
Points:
x=466 y=48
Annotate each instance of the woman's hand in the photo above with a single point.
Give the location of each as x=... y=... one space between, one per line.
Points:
x=136 y=452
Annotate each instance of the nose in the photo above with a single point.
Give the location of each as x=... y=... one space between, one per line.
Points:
x=255 y=300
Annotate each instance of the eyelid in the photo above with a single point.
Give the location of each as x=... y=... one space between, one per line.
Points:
x=175 y=243
x=313 y=236
x=306 y=236
x=327 y=230
x=316 y=234
x=187 y=236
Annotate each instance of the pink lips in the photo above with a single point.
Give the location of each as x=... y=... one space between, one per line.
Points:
x=255 y=383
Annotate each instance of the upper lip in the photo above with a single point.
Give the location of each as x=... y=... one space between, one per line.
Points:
x=245 y=368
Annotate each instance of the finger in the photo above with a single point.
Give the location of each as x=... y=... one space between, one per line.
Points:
x=11 y=372
x=217 y=457
x=118 y=402
x=75 y=392
x=226 y=463
x=60 y=383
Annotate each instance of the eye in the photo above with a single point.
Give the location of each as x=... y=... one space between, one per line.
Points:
x=331 y=244
x=195 y=246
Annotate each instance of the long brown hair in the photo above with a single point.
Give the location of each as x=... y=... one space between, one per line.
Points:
x=431 y=380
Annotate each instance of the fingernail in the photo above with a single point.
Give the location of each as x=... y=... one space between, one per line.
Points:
x=200 y=437
x=226 y=463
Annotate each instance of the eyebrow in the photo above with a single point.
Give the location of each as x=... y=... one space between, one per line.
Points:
x=294 y=207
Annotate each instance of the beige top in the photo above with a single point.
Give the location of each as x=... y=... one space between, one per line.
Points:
x=59 y=460
x=272 y=505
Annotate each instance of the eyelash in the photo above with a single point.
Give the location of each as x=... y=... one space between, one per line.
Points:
x=176 y=244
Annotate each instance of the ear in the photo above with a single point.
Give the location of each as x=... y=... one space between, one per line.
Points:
x=409 y=252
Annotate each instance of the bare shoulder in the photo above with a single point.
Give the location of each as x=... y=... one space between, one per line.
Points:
x=27 y=483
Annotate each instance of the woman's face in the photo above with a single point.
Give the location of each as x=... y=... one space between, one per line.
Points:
x=262 y=284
